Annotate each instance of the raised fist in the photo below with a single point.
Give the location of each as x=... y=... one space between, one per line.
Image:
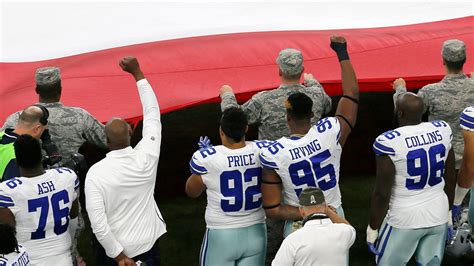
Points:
x=399 y=83
x=337 y=38
x=339 y=45
x=226 y=89
x=130 y=64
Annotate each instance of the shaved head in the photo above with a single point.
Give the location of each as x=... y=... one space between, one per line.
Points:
x=118 y=133
x=409 y=108
x=30 y=123
x=30 y=115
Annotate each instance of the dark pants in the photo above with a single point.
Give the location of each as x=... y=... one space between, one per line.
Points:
x=151 y=257
x=274 y=238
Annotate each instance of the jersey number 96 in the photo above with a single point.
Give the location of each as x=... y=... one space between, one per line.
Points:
x=423 y=164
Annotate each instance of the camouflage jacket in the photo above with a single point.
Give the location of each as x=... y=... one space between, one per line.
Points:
x=446 y=100
x=69 y=127
x=267 y=108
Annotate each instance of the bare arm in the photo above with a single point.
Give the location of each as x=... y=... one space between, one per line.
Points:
x=450 y=178
x=466 y=173
x=271 y=196
x=347 y=107
x=335 y=218
x=385 y=179
x=7 y=217
x=74 y=209
x=194 y=186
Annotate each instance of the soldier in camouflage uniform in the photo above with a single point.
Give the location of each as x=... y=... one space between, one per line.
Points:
x=267 y=109
x=70 y=127
x=446 y=100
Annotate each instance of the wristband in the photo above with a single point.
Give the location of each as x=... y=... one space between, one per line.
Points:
x=372 y=234
x=459 y=194
x=271 y=206
x=345 y=120
x=341 y=50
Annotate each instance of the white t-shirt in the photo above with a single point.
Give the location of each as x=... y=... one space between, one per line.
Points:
x=19 y=258
x=41 y=207
x=318 y=242
x=233 y=179
x=310 y=161
x=419 y=153
x=467 y=119
x=120 y=189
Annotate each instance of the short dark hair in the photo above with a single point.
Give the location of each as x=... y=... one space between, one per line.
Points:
x=291 y=77
x=27 y=152
x=234 y=123
x=299 y=106
x=9 y=243
x=455 y=66
x=49 y=91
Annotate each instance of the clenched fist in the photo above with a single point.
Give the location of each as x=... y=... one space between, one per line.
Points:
x=226 y=89
x=399 y=83
x=130 y=65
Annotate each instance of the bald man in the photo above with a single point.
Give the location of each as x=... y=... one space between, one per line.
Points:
x=119 y=189
x=414 y=188
x=32 y=121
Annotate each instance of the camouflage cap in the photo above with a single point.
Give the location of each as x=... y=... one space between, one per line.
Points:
x=290 y=61
x=454 y=50
x=47 y=76
x=311 y=196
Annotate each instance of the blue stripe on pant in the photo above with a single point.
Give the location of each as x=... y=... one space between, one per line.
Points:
x=397 y=246
x=234 y=246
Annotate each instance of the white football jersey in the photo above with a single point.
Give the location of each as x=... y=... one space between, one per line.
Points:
x=467 y=119
x=41 y=207
x=15 y=258
x=419 y=153
x=232 y=178
x=310 y=161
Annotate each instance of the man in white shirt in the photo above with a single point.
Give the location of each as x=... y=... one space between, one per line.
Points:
x=324 y=239
x=119 y=189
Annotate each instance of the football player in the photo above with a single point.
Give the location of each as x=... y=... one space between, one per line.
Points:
x=310 y=157
x=40 y=204
x=231 y=176
x=414 y=188
x=466 y=172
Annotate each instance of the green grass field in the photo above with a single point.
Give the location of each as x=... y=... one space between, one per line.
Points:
x=185 y=223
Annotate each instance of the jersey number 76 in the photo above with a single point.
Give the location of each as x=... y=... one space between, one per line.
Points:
x=60 y=215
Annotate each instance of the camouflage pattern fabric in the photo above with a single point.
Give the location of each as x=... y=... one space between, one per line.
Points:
x=446 y=100
x=70 y=127
x=267 y=108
